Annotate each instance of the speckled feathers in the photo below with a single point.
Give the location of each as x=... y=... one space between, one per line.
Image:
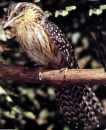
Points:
x=45 y=44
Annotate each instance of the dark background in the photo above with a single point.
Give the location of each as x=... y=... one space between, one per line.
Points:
x=30 y=101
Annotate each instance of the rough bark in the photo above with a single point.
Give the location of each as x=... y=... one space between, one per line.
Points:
x=73 y=76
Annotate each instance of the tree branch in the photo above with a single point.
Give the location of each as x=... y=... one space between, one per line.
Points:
x=54 y=77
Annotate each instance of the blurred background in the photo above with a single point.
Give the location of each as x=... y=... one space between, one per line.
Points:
x=27 y=106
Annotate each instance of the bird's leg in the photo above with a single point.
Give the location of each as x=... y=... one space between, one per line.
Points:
x=40 y=72
x=65 y=71
x=40 y=69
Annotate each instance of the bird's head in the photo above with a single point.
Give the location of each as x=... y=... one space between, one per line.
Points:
x=22 y=13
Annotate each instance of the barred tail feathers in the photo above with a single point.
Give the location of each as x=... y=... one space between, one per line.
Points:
x=91 y=97
x=65 y=103
x=78 y=104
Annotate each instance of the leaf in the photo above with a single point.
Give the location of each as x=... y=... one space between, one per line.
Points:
x=69 y=8
x=2 y=91
x=36 y=1
x=29 y=115
x=64 y=13
x=103 y=7
x=57 y=13
x=47 y=13
x=66 y=128
x=98 y=11
x=44 y=113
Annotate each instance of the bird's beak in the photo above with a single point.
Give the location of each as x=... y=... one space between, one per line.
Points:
x=8 y=23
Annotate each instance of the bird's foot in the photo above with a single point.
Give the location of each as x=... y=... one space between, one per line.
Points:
x=65 y=71
x=40 y=72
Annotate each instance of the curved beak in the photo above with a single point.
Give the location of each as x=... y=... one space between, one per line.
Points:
x=8 y=23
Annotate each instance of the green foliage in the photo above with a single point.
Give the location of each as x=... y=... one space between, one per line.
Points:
x=64 y=12
x=97 y=11
x=102 y=7
x=36 y=1
x=25 y=106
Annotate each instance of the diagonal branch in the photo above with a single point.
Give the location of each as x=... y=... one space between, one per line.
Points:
x=73 y=76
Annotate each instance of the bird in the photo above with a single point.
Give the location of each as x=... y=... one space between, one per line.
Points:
x=46 y=45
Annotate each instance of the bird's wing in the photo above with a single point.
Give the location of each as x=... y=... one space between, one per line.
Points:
x=62 y=43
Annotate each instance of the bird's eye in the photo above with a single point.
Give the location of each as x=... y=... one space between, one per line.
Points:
x=15 y=14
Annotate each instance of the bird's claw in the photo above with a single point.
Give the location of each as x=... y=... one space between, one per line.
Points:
x=40 y=72
x=65 y=70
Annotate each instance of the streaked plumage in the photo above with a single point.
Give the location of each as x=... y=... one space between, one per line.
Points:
x=46 y=45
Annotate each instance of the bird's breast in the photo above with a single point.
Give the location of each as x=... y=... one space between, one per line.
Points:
x=39 y=47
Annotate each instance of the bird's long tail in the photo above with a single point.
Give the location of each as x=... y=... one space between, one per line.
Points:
x=78 y=104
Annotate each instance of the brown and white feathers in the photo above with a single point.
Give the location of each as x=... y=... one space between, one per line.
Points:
x=46 y=45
